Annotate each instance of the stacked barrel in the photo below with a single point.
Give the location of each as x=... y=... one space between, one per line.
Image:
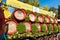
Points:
x=24 y=23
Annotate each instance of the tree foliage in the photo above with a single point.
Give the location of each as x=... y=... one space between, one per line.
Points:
x=45 y=8
x=26 y=1
x=52 y=9
x=31 y=2
x=59 y=11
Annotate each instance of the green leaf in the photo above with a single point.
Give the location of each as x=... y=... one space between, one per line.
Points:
x=21 y=28
x=43 y=28
x=36 y=13
x=27 y=12
x=50 y=21
x=45 y=21
x=55 y=28
x=34 y=28
x=50 y=27
x=37 y=20
x=27 y=18
x=59 y=28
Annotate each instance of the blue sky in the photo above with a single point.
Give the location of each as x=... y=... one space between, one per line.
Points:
x=49 y=3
